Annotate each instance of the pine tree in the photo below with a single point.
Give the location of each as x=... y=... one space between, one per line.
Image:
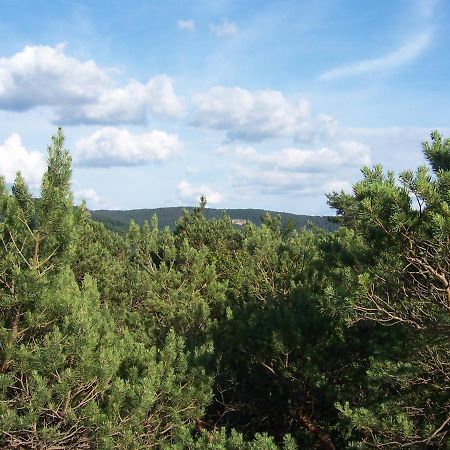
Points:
x=402 y=266
x=56 y=223
x=73 y=374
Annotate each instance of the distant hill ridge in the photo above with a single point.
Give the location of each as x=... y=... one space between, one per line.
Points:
x=117 y=220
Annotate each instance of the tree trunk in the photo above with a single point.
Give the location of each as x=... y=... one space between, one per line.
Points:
x=323 y=437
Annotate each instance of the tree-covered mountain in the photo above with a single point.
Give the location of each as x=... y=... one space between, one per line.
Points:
x=119 y=221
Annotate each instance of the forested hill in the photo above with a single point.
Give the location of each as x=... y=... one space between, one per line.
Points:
x=119 y=220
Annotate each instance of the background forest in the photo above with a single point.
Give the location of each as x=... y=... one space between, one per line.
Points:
x=119 y=221
x=209 y=336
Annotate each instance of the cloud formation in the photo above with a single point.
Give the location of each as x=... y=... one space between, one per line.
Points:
x=190 y=194
x=90 y=196
x=42 y=75
x=80 y=92
x=347 y=154
x=406 y=53
x=225 y=29
x=131 y=104
x=110 y=146
x=249 y=116
x=299 y=171
x=277 y=182
x=15 y=157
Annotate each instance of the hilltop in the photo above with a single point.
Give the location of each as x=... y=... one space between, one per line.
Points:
x=118 y=220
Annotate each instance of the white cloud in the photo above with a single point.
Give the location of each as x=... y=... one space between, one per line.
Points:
x=188 y=25
x=91 y=197
x=299 y=171
x=225 y=29
x=348 y=154
x=131 y=104
x=190 y=194
x=279 y=182
x=112 y=146
x=399 y=57
x=322 y=130
x=246 y=115
x=81 y=92
x=15 y=157
x=43 y=75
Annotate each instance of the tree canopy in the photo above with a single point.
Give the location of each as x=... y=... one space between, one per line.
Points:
x=212 y=336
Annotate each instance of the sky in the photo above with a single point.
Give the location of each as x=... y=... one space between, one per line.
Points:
x=252 y=103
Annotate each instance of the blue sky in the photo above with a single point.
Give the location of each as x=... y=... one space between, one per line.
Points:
x=263 y=104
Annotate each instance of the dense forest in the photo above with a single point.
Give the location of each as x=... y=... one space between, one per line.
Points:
x=119 y=221
x=223 y=337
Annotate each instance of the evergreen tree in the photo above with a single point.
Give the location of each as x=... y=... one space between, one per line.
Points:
x=56 y=225
x=403 y=283
x=71 y=374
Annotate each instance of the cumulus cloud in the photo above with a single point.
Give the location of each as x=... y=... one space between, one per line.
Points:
x=279 y=182
x=406 y=53
x=131 y=104
x=249 y=116
x=90 y=196
x=319 y=130
x=112 y=146
x=348 y=154
x=15 y=157
x=225 y=29
x=188 y=25
x=190 y=194
x=80 y=92
x=42 y=75
x=298 y=170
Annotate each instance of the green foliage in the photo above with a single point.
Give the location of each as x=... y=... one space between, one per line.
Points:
x=262 y=336
x=438 y=153
x=72 y=375
x=221 y=440
x=55 y=205
x=403 y=283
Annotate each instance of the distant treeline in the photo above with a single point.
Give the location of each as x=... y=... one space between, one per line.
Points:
x=119 y=220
